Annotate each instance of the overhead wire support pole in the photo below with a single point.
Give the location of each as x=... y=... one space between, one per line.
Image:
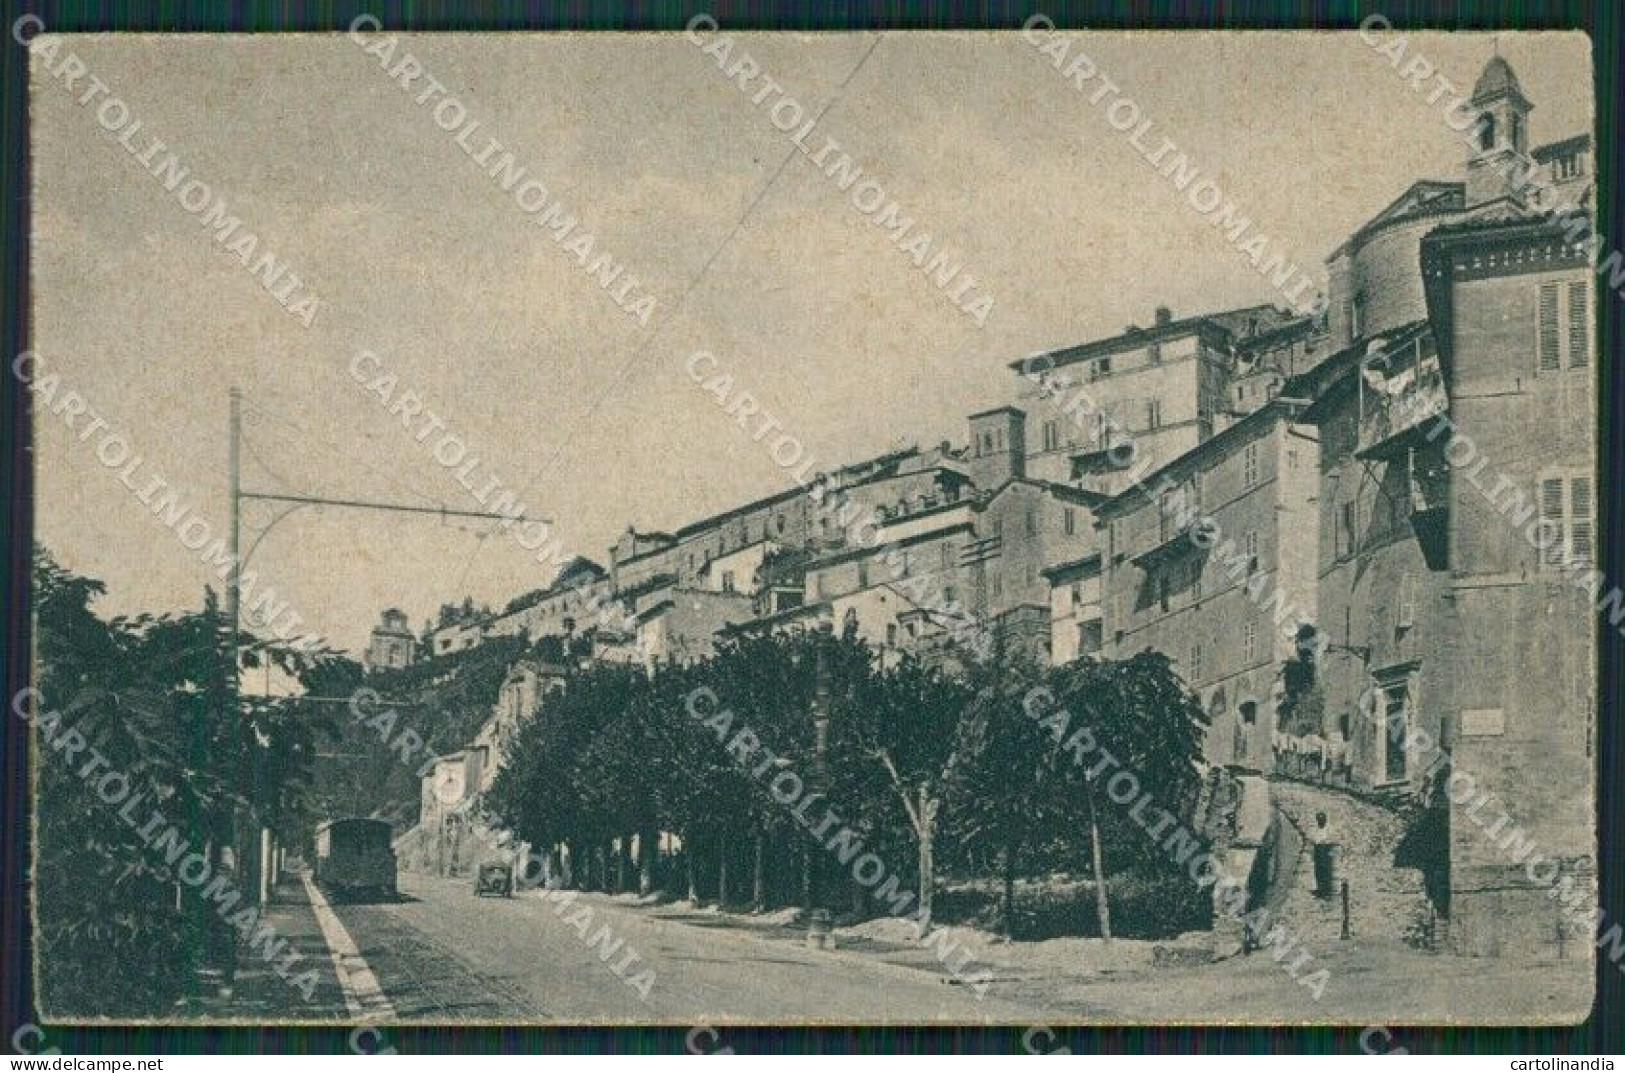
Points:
x=259 y=848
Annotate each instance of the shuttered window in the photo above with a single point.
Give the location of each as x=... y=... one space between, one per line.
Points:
x=1563 y=326
x=1568 y=530
x=1580 y=524
x=1579 y=324
x=1551 y=521
x=1548 y=341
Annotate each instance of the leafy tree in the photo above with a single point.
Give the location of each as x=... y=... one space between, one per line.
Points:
x=149 y=698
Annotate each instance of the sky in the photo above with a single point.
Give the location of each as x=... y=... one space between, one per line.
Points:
x=750 y=252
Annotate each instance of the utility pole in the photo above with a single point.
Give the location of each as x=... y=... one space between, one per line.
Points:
x=256 y=844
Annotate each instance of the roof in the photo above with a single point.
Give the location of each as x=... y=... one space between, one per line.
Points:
x=1561 y=147
x=1073 y=567
x=1327 y=379
x=1425 y=197
x=1282 y=407
x=997 y=410
x=1496 y=78
x=1206 y=325
x=1080 y=496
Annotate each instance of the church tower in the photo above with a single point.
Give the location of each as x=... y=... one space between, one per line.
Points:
x=1499 y=165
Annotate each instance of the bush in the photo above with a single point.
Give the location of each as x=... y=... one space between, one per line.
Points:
x=1143 y=906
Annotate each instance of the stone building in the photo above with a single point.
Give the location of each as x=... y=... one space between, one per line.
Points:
x=1140 y=398
x=1457 y=531
x=1209 y=559
x=392 y=646
x=1511 y=302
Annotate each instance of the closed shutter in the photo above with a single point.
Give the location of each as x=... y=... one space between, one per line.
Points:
x=1580 y=531
x=1579 y=317
x=1551 y=520
x=1548 y=337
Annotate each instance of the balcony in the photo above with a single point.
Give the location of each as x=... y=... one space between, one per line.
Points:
x=1430 y=506
x=1400 y=410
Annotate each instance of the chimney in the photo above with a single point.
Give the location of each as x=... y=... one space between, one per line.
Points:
x=1165 y=316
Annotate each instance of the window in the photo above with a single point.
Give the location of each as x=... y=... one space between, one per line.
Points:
x=1249 y=712
x=1153 y=413
x=863 y=575
x=1348 y=521
x=1196 y=661
x=1249 y=466
x=998 y=586
x=1563 y=327
x=1579 y=323
x=1250 y=546
x=945 y=555
x=1070 y=521
x=1357 y=316
x=998 y=528
x=727 y=581
x=1196 y=580
x=1396 y=706
x=1486 y=131
x=1567 y=531
x=891 y=634
x=780 y=524
x=1249 y=641
x=1162 y=591
x=1032 y=522
x=1102 y=367
x=1052 y=435
x=1153 y=353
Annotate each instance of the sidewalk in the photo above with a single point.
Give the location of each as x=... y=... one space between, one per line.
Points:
x=893 y=942
x=260 y=994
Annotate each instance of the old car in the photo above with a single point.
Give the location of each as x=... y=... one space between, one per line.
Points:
x=493 y=878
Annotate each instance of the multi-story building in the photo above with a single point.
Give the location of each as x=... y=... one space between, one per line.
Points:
x=1207 y=559
x=1511 y=301
x=1140 y=398
x=1457 y=522
x=1077 y=609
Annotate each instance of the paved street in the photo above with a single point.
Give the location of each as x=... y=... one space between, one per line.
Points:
x=443 y=955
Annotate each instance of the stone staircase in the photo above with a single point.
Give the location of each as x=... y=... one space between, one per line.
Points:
x=1383 y=900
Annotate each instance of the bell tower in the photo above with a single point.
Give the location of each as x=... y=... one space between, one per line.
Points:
x=1499 y=165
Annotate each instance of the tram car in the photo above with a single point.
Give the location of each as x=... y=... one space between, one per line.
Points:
x=355 y=860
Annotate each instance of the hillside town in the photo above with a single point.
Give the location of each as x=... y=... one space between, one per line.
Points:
x=1364 y=537
x=1233 y=667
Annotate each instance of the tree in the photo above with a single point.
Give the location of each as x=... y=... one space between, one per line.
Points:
x=1006 y=807
x=1136 y=716
x=149 y=699
x=921 y=728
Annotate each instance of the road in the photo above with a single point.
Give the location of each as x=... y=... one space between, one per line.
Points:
x=440 y=954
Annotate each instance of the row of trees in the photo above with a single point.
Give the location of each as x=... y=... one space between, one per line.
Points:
x=151 y=696
x=937 y=772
